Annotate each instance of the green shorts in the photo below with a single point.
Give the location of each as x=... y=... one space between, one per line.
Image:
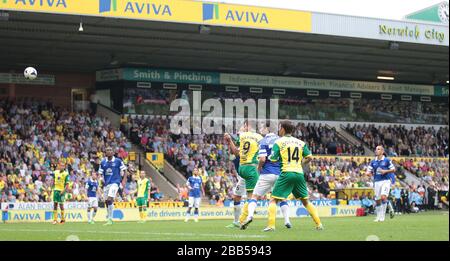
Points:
x=141 y=202
x=250 y=174
x=290 y=182
x=58 y=196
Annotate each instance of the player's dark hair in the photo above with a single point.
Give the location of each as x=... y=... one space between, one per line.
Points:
x=287 y=126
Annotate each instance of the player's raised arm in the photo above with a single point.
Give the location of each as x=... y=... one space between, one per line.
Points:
x=262 y=156
x=233 y=147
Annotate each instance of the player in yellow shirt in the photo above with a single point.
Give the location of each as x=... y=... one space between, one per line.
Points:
x=292 y=153
x=143 y=192
x=60 y=186
x=248 y=142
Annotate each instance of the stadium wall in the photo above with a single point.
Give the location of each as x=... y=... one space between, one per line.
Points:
x=79 y=214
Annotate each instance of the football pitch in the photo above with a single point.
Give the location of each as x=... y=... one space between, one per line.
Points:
x=422 y=226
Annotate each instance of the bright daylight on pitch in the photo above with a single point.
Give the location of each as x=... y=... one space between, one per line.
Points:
x=224 y=121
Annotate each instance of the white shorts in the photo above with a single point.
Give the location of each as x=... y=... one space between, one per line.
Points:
x=93 y=202
x=239 y=189
x=111 y=190
x=382 y=188
x=265 y=184
x=194 y=202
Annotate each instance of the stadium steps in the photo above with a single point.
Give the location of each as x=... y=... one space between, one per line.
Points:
x=173 y=175
x=411 y=178
x=112 y=115
x=164 y=185
x=345 y=135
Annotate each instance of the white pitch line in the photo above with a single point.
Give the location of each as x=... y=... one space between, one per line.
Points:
x=128 y=232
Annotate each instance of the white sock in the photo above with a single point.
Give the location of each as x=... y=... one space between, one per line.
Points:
x=251 y=209
x=383 y=210
x=110 y=211
x=285 y=211
x=188 y=215
x=89 y=214
x=237 y=213
x=378 y=211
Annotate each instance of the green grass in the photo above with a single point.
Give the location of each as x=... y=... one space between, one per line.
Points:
x=423 y=226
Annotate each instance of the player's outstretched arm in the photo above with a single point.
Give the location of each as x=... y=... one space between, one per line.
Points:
x=234 y=150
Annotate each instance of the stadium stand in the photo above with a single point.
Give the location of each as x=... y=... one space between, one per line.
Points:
x=35 y=136
x=400 y=141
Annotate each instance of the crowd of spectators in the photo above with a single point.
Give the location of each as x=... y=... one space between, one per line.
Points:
x=400 y=141
x=210 y=154
x=325 y=141
x=35 y=136
x=329 y=174
x=430 y=171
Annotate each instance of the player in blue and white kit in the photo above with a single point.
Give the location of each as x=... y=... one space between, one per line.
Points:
x=91 y=189
x=113 y=171
x=268 y=174
x=194 y=184
x=381 y=168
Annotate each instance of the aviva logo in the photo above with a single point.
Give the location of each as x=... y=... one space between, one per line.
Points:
x=107 y=5
x=42 y=3
x=210 y=11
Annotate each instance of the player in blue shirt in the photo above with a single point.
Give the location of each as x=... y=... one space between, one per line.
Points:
x=196 y=191
x=381 y=168
x=91 y=190
x=268 y=174
x=113 y=171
